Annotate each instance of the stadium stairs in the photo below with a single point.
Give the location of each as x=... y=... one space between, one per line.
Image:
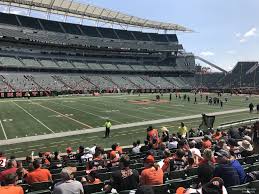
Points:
x=128 y=79
x=59 y=79
x=110 y=80
x=8 y=84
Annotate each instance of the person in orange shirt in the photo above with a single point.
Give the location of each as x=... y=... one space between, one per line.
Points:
x=206 y=143
x=38 y=174
x=118 y=148
x=152 y=134
x=11 y=185
x=152 y=174
x=217 y=135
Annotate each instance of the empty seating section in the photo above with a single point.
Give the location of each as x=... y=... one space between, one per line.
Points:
x=31 y=62
x=10 y=61
x=71 y=28
x=48 y=83
x=125 y=35
x=123 y=83
x=124 y=67
x=90 y=31
x=139 y=67
x=166 y=68
x=8 y=19
x=108 y=66
x=64 y=64
x=108 y=33
x=141 y=36
x=3 y=86
x=48 y=63
x=140 y=82
x=13 y=33
x=96 y=66
x=100 y=82
x=160 y=82
x=30 y=22
x=51 y=25
x=80 y=65
x=20 y=82
x=180 y=82
x=152 y=67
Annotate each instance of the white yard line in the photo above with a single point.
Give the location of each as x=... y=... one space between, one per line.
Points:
x=34 y=117
x=115 y=127
x=3 y=129
x=65 y=116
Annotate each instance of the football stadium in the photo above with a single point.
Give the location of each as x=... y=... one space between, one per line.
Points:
x=120 y=106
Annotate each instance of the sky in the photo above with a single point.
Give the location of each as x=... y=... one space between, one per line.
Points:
x=225 y=31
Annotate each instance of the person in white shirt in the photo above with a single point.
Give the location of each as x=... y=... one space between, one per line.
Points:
x=172 y=143
x=135 y=149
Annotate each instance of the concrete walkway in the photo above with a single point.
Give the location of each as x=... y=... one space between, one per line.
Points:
x=115 y=127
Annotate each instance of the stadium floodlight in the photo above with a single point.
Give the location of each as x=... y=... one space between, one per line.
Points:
x=88 y=11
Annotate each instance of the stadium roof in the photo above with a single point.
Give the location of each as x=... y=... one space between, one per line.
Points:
x=87 y=11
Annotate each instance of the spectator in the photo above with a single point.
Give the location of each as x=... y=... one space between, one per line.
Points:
x=88 y=156
x=97 y=162
x=3 y=160
x=235 y=133
x=38 y=174
x=70 y=155
x=206 y=143
x=91 y=179
x=144 y=148
x=246 y=149
x=11 y=168
x=80 y=153
x=207 y=158
x=152 y=134
x=138 y=143
x=191 y=163
x=221 y=145
x=118 y=148
x=11 y=185
x=217 y=135
x=152 y=174
x=239 y=168
x=179 y=162
x=225 y=170
x=68 y=184
x=135 y=149
x=21 y=173
x=56 y=157
x=182 y=131
x=125 y=178
x=173 y=143
x=196 y=153
x=165 y=134
x=166 y=161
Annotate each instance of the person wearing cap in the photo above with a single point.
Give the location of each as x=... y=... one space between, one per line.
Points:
x=11 y=168
x=125 y=178
x=107 y=126
x=246 y=148
x=182 y=131
x=68 y=184
x=38 y=174
x=11 y=186
x=69 y=155
x=225 y=170
x=152 y=174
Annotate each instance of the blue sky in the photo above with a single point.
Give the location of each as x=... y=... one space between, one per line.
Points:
x=226 y=31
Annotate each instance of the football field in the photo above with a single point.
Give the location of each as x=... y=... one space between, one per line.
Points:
x=53 y=123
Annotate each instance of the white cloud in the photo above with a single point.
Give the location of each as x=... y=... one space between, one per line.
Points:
x=207 y=53
x=244 y=37
x=250 y=33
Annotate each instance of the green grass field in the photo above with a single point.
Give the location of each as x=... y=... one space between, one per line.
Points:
x=38 y=116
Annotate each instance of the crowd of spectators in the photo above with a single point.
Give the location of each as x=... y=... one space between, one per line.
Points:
x=216 y=157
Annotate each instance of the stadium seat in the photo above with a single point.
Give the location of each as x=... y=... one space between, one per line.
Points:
x=174 y=184
x=178 y=174
x=250 y=159
x=238 y=189
x=88 y=189
x=40 y=192
x=80 y=173
x=40 y=186
x=125 y=192
x=25 y=187
x=254 y=186
x=105 y=176
x=158 y=189
x=254 y=167
x=192 y=171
